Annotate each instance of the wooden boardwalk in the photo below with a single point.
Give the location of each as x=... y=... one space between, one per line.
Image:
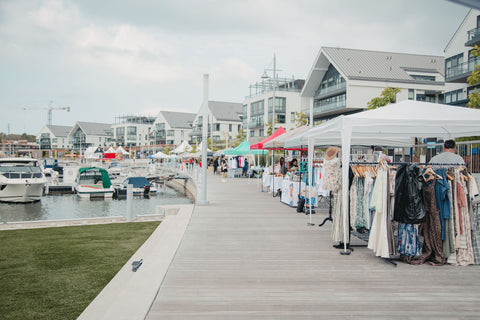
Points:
x=248 y=256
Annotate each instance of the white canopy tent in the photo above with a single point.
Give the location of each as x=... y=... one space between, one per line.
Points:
x=394 y=125
x=200 y=147
x=122 y=151
x=183 y=147
x=279 y=142
x=110 y=150
x=161 y=155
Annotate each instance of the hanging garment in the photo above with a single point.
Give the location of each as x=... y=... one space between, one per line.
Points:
x=367 y=194
x=449 y=241
x=409 y=202
x=463 y=239
x=442 y=200
x=360 y=221
x=431 y=229
x=408 y=243
x=331 y=174
x=353 y=202
x=378 y=240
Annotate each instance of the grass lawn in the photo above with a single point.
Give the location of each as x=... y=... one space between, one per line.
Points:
x=54 y=273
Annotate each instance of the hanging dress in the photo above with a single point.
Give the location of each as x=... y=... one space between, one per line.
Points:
x=378 y=240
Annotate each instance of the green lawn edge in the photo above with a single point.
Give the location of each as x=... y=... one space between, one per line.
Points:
x=54 y=273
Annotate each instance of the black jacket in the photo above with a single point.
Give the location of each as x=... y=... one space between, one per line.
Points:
x=409 y=199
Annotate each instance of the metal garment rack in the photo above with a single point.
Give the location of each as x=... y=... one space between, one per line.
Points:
x=329 y=218
x=388 y=260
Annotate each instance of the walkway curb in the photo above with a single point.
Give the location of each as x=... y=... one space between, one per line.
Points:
x=129 y=294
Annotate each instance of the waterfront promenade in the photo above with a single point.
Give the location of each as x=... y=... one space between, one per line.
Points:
x=248 y=256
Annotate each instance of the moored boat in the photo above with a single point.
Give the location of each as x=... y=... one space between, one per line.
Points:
x=21 y=180
x=92 y=182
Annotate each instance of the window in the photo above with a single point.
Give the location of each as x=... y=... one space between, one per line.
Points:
x=257 y=108
x=454 y=96
x=411 y=94
x=452 y=64
x=216 y=127
x=239 y=128
x=252 y=133
x=170 y=133
x=422 y=78
x=182 y=133
x=230 y=127
x=261 y=133
x=292 y=117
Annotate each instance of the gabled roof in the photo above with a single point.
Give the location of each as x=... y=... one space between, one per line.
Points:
x=95 y=129
x=179 y=119
x=354 y=64
x=60 y=131
x=378 y=65
x=226 y=111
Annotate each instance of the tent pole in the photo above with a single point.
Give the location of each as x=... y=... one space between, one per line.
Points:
x=346 y=141
x=273 y=170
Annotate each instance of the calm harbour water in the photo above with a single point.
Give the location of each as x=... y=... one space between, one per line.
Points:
x=70 y=206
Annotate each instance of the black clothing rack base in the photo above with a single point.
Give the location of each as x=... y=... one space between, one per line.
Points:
x=329 y=218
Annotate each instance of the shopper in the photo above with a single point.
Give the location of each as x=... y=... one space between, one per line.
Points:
x=245 y=168
x=448 y=156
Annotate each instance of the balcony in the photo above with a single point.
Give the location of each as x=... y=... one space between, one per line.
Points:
x=256 y=124
x=331 y=91
x=461 y=72
x=331 y=108
x=195 y=133
x=473 y=37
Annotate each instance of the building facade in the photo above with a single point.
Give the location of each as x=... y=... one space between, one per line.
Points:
x=257 y=109
x=343 y=81
x=224 y=122
x=54 y=137
x=91 y=134
x=132 y=131
x=171 y=128
x=459 y=62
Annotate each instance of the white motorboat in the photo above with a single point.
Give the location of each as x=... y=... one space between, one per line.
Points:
x=21 y=180
x=92 y=182
x=141 y=186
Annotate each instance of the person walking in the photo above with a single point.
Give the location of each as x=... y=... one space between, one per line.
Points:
x=245 y=168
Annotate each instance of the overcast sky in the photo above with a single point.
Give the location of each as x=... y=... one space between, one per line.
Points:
x=113 y=58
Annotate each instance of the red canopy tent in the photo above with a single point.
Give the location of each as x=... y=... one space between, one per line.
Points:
x=259 y=145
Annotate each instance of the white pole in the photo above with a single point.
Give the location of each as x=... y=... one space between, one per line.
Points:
x=203 y=172
x=274 y=87
x=129 y=202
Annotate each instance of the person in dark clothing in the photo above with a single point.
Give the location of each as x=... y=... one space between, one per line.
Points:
x=245 y=168
x=215 y=166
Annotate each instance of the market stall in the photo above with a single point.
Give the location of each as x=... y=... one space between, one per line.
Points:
x=394 y=125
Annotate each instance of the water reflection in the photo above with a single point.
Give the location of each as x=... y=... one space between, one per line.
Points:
x=72 y=207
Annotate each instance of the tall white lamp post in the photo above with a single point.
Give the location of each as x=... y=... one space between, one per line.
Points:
x=203 y=171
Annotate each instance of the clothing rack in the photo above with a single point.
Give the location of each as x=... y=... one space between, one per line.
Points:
x=389 y=260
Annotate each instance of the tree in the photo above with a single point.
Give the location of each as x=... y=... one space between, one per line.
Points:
x=269 y=126
x=387 y=96
x=301 y=119
x=167 y=150
x=241 y=135
x=473 y=80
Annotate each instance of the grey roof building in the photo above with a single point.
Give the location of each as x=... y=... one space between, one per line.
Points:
x=54 y=137
x=224 y=121
x=91 y=134
x=171 y=128
x=342 y=81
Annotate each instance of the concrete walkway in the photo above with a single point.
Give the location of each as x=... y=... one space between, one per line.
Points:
x=248 y=256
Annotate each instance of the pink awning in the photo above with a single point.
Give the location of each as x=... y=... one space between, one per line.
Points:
x=259 y=145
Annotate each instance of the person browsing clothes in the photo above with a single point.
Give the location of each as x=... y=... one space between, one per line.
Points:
x=448 y=156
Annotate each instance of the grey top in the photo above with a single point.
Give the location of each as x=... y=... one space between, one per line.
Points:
x=446 y=158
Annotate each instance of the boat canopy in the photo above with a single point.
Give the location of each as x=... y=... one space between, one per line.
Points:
x=106 y=183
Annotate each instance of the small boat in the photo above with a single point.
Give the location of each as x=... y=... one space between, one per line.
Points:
x=92 y=182
x=21 y=180
x=141 y=186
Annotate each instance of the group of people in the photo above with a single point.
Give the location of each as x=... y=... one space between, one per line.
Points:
x=283 y=167
x=222 y=163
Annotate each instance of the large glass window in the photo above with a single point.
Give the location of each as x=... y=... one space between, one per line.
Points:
x=230 y=127
x=292 y=117
x=170 y=133
x=411 y=94
x=422 y=77
x=257 y=108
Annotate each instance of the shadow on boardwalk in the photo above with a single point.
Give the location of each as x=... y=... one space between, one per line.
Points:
x=248 y=256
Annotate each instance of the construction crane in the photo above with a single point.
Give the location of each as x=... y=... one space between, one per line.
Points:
x=49 y=109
